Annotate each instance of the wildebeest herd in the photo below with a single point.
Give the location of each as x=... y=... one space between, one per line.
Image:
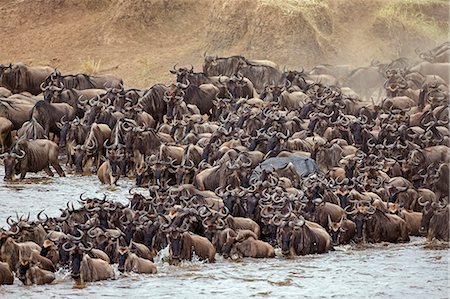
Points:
x=238 y=159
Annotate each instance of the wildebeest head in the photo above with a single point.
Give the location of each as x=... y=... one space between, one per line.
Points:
x=176 y=244
x=173 y=96
x=24 y=266
x=10 y=161
x=176 y=238
x=229 y=241
x=335 y=229
x=80 y=155
x=428 y=210
x=286 y=234
x=114 y=157
x=77 y=252
x=182 y=73
x=54 y=79
x=158 y=167
x=362 y=212
x=123 y=255
x=272 y=93
x=52 y=94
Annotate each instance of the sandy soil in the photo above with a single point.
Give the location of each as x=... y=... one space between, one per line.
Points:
x=141 y=40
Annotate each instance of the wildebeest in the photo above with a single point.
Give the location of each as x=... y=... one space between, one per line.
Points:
x=301 y=237
x=17 y=112
x=32 y=156
x=31 y=129
x=439 y=69
x=342 y=231
x=130 y=262
x=6 y=276
x=365 y=80
x=153 y=103
x=20 y=77
x=373 y=225
x=6 y=127
x=435 y=220
x=48 y=115
x=12 y=251
x=251 y=247
x=227 y=66
x=183 y=244
x=81 y=81
x=30 y=274
x=85 y=268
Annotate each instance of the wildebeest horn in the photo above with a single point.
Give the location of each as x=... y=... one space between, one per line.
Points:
x=64 y=247
x=39 y=216
x=80 y=237
x=354 y=211
x=421 y=201
x=89 y=248
x=10 y=221
x=22 y=154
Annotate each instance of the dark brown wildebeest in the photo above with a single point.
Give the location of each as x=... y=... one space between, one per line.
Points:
x=31 y=130
x=6 y=276
x=184 y=243
x=73 y=134
x=85 y=268
x=81 y=81
x=373 y=225
x=20 y=77
x=239 y=87
x=201 y=96
x=185 y=75
x=73 y=97
x=153 y=103
x=341 y=232
x=32 y=156
x=251 y=247
x=300 y=237
x=412 y=219
x=130 y=262
x=260 y=75
x=31 y=274
x=227 y=66
x=48 y=115
x=17 y=112
x=6 y=126
x=11 y=251
x=435 y=220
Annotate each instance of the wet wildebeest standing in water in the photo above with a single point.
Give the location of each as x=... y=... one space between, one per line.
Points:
x=32 y=156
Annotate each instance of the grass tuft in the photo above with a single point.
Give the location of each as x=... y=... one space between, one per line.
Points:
x=90 y=66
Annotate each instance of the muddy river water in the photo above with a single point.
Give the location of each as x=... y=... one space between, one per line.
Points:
x=384 y=270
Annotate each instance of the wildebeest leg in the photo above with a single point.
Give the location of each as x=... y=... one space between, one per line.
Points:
x=58 y=168
x=48 y=171
x=69 y=160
